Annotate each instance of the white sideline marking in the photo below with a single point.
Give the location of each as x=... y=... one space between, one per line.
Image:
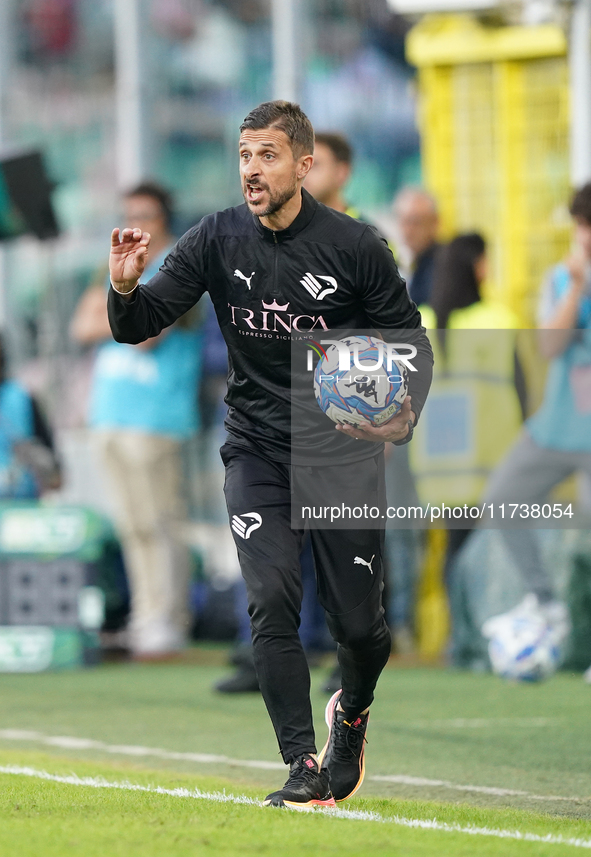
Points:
x=72 y=743
x=353 y=815
x=484 y=723
x=487 y=790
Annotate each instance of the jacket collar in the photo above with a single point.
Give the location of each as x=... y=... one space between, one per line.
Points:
x=305 y=215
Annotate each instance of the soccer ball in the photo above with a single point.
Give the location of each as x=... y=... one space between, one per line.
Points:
x=525 y=644
x=373 y=393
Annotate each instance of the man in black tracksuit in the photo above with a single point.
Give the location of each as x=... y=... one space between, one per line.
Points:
x=279 y=268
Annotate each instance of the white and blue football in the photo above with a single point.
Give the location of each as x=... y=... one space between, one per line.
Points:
x=370 y=390
x=526 y=643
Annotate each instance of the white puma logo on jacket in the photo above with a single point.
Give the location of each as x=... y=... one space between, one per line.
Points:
x=247 y=280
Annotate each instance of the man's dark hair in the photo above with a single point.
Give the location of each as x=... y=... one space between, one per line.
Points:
x=454 y=279
x=287 y=117
x=581 y=204
x=338 y=145
x=157 y=192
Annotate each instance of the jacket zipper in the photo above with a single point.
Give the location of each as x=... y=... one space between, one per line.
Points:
x=274 y=291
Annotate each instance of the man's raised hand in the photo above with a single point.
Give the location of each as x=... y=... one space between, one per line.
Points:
x=128 y=258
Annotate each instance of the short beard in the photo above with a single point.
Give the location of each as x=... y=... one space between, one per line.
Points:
x=277 y=201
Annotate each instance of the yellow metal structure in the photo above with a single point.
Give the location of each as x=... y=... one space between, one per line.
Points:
x=432 y=613
x=494 y=118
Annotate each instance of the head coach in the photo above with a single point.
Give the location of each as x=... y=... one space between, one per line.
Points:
x=255 y=261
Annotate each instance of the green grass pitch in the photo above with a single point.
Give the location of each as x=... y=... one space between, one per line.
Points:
x=147 y=760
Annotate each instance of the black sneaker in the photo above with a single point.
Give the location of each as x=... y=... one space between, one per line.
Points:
x=306 y=787
x=343 y=756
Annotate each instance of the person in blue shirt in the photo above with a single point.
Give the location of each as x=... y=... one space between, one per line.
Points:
x=143 y=406
x=28 y=463
x=556 y=440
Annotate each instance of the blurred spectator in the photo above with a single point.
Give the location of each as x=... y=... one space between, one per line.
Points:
x=417 y=222
x=331 y=170
x=28 y=464
x=326 y=181
x=556 y=440
x=459 y=272
x=141 y=411
x=457 y=299
x=475 y=397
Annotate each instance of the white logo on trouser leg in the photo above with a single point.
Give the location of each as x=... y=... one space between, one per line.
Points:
x=245 y=528
x=360 y=561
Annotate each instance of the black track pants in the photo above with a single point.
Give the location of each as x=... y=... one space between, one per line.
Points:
x=259 y=504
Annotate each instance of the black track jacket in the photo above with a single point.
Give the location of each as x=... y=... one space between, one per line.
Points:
x=325 y=271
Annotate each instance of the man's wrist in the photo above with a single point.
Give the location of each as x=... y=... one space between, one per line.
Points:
x=407 y=437
x=121 y=291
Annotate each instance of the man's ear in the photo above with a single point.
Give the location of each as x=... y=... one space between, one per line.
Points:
x=304 y=166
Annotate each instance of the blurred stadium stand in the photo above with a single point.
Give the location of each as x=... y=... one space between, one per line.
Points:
x=494 y=107
x=204 y=65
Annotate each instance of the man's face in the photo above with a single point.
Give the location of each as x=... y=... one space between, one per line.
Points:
x=146 y=213
x=417 y=222
x=268 y=170
x=583 y=235
x=327 y=175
